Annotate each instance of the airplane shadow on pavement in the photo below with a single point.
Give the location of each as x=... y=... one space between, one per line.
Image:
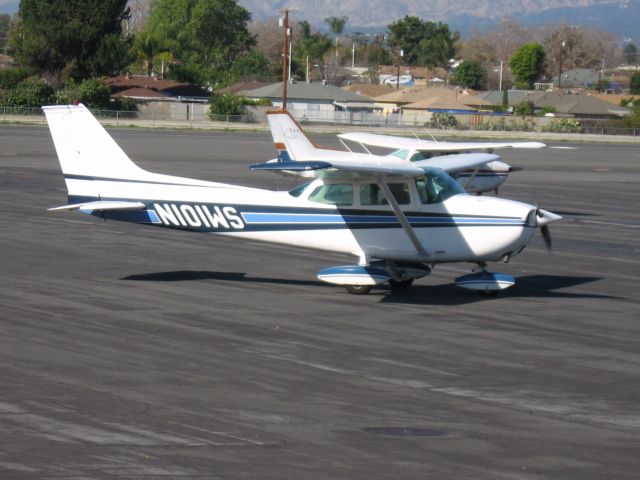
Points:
x=529 y=286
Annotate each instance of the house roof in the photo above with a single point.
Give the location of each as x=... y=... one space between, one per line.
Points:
x=169 y=88
x=140 y=92
x=581 y=103
x=419 y=98
x=307 y=91
x=241 y=88
x=578 y=103
x=369 y=90
x=579 y=78
x=514 y=96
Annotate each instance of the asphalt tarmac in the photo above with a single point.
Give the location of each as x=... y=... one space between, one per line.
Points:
x=143 y=353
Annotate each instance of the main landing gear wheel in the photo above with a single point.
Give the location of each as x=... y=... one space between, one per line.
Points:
x=400 y=284
x=488 y=293
x=359 y=289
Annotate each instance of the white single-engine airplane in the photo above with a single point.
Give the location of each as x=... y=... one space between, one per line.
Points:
x=489 y=177
x=482 y=178
x=399 y=220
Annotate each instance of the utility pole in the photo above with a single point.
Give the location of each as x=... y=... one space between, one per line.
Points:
x=353 y=56
x=400 y=55
x=285 y=55
x=560 y=74
x=379 y=38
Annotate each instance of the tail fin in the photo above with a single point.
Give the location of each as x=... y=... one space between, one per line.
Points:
x=289 y=139
x=84 y=147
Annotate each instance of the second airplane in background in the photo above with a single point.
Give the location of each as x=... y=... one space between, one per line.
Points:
x=292 y=144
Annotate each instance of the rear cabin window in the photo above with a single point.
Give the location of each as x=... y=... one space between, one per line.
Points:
x=340 y=194
x=371 y=194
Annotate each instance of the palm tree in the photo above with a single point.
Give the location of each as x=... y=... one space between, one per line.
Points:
x=336 y=24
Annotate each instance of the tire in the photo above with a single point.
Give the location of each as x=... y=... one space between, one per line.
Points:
x=359 y=289
x=488 y=293
x=400 y=284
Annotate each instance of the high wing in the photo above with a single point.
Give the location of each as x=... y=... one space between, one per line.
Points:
x=418 y=144
x=337 y=168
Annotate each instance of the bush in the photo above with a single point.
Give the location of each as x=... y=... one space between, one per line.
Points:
x=563 y=125
x=525 y=108
x=92 y=93
x=634 y=85
x=444 y=120
x=227 y=105
x=32 y=92
x=11 y=77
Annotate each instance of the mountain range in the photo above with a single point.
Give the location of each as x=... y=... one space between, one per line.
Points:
x=371 y=16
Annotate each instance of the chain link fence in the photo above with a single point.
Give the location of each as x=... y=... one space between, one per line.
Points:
x=452 y=122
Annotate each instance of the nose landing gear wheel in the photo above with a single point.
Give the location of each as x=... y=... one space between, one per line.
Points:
x=400 y=284
x=359 y=289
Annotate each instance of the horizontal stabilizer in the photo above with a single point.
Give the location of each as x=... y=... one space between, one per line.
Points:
x=291 y=166
x=485 y=281
x=102 y=206
x=354 y=275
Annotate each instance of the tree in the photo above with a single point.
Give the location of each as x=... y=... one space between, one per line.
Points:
x=313 y=45
x=527 y=63
x=72 y=38
x=424 y=43
x=494 y=46
x=469 y=74
x=630 y=54
x=634 y=85
x=5 y=24
x=336 y=25
x=253 y=65
x=583 y=48
x=205 y=37
x=147 y=47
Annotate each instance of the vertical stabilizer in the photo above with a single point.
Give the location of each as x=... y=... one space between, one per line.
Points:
x=289 y=139
x=84 y=147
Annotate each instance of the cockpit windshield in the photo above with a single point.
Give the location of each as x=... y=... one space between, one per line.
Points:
x=437 y=186
x=401 y=154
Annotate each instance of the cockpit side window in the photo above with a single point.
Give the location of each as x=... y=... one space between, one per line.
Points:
x=340 y=194
x=416 y=157
x=371 y=194
x=297 y=191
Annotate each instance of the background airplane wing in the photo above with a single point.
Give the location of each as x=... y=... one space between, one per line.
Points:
x=459 y=162
x=340 y=168
x=391 y=141
x=333 y=168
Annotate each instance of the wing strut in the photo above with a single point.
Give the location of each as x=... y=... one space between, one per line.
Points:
x=402 y=218
x=472 y=178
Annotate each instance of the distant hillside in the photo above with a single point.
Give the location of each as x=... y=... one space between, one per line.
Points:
x=618 y=16
x=9 y=6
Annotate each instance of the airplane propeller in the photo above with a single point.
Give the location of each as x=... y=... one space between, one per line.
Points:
x=543 y=219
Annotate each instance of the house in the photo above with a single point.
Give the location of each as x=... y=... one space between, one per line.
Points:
x=580 y=78
x=314 y=101
x=568 y=103
x=156 y=96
